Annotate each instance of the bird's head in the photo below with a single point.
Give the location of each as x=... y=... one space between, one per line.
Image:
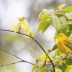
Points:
x=61 y=36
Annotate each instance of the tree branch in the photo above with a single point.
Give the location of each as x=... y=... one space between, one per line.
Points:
x=11 y=63
x=59 y=10
x=39 y=68
x=69 y=58
x=37 y=43
x=17 y=61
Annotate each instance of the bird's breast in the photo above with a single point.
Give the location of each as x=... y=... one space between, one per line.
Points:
x=61 y=46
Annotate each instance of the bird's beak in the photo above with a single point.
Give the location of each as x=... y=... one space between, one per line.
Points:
x=57 y=35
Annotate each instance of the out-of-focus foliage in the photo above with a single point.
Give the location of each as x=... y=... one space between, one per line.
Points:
x=61 y=6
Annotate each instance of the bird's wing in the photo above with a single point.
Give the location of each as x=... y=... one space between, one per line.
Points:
x=68 y=43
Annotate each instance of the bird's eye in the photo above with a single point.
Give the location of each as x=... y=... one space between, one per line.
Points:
x=60 y=35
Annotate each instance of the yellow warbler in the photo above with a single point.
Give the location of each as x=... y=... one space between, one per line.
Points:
x=63 y=43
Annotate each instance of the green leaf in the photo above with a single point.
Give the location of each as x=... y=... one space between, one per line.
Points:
x=57 y=53
x=57 y=69
x=63 y=20
x=68 y=9
x=34 y=67
x=68 y=69
x=59 y=14
x=61 y=6
x=46 y=11
x=69 y=15
x=46 y=25
x=56 y=22
x=54 y=47
x=55 y=38
x=61 y=61
x=70 y=27
x=57 y=32
x=42 y=69
x=63 y=30
x=42 y=23
x=48 y=67
x=68 y=62
x=41 y=16
x=68 y=34
x=62 y=67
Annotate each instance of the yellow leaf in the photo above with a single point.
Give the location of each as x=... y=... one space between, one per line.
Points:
x=25 y=23
x=32 y=33
x=21 y=19
x=47 y=61
x=22 y=26
x=43 y=57
x=58 y=70
x=18 y=18
x=41 y=16
x=61 y=6
x=18 y=26
x=28 y=30
x=14 y=27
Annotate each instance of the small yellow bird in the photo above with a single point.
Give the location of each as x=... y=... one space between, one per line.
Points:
x=63 y=43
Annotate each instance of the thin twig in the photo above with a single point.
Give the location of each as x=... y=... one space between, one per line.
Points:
x=11 y=63
x=69 y=58
x=62 y=59
x=18 y=62
x=42 y=66
x=39 y=68
x=41 y=7
x=13 y=55
x=37 y=43
x=69 y=20
x=24 y=47
x=59 y=10
x=18 y=58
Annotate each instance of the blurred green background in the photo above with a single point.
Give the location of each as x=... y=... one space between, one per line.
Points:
x=12 y=42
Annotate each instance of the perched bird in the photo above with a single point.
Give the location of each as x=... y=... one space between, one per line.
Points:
x=63 y=43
